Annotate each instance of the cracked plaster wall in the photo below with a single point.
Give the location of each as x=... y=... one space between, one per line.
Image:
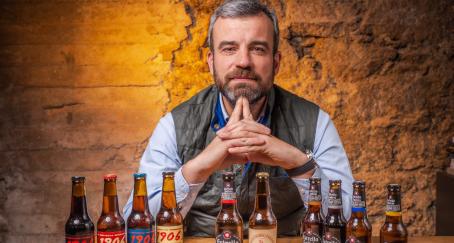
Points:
x=83 y=84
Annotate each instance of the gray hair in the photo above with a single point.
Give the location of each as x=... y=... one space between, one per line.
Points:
x=243 y=8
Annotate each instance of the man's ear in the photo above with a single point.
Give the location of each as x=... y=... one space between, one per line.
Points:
x=210 y=59
x=277 y=62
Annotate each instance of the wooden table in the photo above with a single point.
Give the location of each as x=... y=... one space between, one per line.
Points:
x=425 y=239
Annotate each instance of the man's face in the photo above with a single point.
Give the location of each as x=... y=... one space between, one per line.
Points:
x=242 y=60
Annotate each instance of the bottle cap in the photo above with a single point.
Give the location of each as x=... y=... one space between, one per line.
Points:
x=263 y=175
x=168 y=173
x=139 y=175
x=78 y=178
x=110 y=177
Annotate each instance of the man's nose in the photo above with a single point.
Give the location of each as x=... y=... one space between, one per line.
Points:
x=243 y=58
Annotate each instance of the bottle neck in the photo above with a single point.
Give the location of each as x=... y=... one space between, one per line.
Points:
x=110 y=199
x=393 y=208
x=359 y=202
x=140 y=199
x=78 y=200
x=262 y=197
x=168 y=200
x=335 y=201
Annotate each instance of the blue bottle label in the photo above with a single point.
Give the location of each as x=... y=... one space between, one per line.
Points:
x=140 y=236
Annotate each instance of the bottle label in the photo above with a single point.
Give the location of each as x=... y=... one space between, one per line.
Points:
x=358 y=202
x=334 y=201
x=228 y=197
x=80 y=238
x=228 y=194
x=392 y=205
x=310 y=235
x=314 y=196
x=262 y=235
x=332 y=235
x=111 y=237
x=140 y=236
x=227 y=237
x=170 y=234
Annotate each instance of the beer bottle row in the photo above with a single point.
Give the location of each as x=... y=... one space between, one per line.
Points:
x=334 y=229
x=140 y=225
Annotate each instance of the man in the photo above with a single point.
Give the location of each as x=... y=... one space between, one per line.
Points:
x=245 y=124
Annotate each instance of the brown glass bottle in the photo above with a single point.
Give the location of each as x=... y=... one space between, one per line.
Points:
x=262 y=223
x=79 y=228
x=334 y=226
x=359 y=229
x=140 y=222
x=111 y=226
x=169 y=222
x=393 y=230
x=229 y=224
x=312 y=224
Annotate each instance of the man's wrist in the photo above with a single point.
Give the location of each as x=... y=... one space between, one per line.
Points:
x=308 y=165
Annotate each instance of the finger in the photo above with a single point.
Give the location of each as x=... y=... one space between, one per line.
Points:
x=237 y=111
x=238 y=134
x=242 y=142
x=248 y=125
x=247 y=110
x=244 y=149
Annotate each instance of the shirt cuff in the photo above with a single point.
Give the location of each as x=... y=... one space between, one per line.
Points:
x=185 y=193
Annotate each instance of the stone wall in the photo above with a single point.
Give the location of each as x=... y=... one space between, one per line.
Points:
x=83 y=83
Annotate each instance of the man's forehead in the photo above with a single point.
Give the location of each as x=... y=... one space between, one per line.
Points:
x=258 y=26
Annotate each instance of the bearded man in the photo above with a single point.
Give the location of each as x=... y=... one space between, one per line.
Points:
x=246 y=124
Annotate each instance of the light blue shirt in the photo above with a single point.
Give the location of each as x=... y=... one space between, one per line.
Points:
x=161 y=155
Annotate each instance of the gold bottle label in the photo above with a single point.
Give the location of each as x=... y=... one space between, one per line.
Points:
x=262 y=235
x=167 y=234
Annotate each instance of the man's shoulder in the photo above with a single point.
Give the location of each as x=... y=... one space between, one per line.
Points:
x=201 y=98
x=287 y=99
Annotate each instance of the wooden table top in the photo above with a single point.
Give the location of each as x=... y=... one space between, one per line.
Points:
x=423 y=239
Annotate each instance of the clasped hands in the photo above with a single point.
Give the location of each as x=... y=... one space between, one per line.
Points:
x=244 y=140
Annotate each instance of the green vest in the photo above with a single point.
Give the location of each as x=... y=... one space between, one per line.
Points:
x=293 y=120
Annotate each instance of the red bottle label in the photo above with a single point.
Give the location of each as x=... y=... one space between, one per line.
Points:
x=111 y=237
x=79 y=239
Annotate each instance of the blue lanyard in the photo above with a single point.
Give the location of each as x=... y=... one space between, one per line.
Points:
x=219 y=122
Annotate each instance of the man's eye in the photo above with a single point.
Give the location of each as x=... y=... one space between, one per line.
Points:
x=228 y=49
x=259 y=50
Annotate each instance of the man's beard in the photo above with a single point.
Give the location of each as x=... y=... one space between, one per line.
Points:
x=251 y=93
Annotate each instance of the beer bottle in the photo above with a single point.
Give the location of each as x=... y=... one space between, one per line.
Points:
x=79 y=228
x=140 y=222
x=334 y=227
x=229 y=224
x=393 y=230
x=312 y=225
x=111 y=226
x=262 y=223
x=169 y=220
x=359 y=229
